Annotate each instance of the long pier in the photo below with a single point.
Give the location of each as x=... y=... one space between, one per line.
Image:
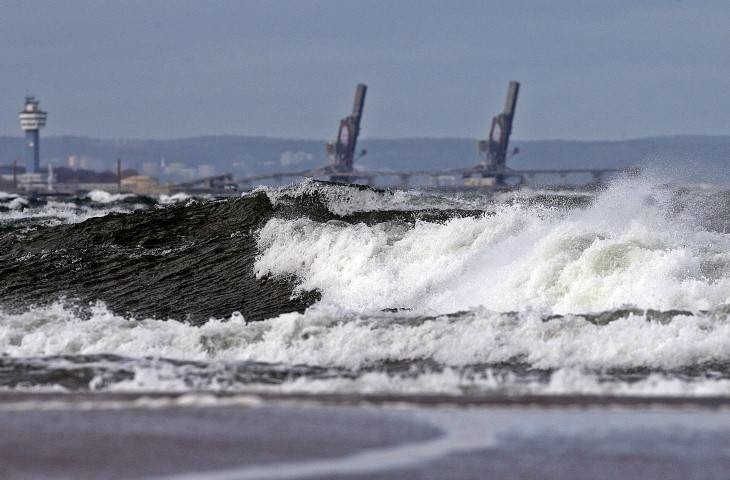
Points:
x=405 y=178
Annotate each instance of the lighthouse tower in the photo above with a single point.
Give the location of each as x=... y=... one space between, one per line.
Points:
x=32 y=119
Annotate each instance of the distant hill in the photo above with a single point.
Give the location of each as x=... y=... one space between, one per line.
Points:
x=704 y=157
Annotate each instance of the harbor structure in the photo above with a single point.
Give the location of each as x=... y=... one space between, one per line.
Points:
x=342 y=151
x=32 y=119
x=492 y=169
x=494 y=150
x=490 y=173
x=218 y=184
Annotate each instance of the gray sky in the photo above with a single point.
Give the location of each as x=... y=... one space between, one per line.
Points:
x=164 y=69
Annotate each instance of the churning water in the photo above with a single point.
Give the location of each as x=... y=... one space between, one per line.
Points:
x=327 y=288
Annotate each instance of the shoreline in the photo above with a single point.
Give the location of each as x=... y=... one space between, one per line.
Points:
x=197 y=436
x=210 y=398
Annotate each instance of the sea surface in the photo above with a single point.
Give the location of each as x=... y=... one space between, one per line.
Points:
x=326 y=288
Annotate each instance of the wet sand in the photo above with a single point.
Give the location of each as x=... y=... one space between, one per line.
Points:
x=269 y=436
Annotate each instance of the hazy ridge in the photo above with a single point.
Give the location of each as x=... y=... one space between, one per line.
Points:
x=706 y=156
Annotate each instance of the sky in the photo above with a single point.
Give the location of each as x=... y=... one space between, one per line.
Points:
x=168 y=69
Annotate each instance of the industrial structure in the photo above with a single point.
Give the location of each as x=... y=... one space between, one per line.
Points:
x=32 y=119
x=491 y=172
x=216 y=184
x=341 y=152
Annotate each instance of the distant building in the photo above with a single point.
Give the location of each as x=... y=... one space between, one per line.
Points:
x=143 y=185
x=32 y=181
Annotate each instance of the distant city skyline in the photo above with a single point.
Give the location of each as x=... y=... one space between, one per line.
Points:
x=171 y=69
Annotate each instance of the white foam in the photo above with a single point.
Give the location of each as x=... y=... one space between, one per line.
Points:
x=628 y=248
x=17 y=203
x=575 y=381
x=327 y=337
x=174 y=198
x=345 y=200
x=54 y=213
x=101 y=196
x=332 y=338
x=452 y=382
x=632 y=246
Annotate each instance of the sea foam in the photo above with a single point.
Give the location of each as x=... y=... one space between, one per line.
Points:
x=507 y=273
x=326 y=337
x=571 y=350
x=633 y=246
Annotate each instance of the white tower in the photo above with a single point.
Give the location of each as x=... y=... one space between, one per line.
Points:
x=32 y=119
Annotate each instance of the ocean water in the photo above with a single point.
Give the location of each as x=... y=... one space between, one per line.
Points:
x=318 y=287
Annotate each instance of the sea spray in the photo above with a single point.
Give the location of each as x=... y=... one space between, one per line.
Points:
x=351 y=289
x=626 y=249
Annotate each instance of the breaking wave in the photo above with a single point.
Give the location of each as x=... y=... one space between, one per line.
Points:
x=477 y=351
x=634 y=246
x=334 y=338
x=321 y=287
